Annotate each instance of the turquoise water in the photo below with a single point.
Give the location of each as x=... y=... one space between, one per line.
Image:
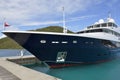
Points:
x=102 y=71
x=38 y=67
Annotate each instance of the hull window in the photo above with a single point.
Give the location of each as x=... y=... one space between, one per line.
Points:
x=55 y=42
x=61 y=56
x=43 y=41
x=74 y=41
x=64 y=42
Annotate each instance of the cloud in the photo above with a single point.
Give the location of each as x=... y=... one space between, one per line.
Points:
x=39 y=12
x=41 y=23
x=81 y=17
x=22 y=11
x=57 y=21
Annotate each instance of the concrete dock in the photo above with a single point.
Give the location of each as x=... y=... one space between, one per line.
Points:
x=13 y=71
x=6 y=75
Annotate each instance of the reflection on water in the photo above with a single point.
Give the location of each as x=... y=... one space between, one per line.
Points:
x=38 y=67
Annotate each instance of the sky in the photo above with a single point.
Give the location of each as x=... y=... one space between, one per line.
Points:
x=33 y=14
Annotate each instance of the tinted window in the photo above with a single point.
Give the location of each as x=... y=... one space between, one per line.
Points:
x=97 y=25
x=95 y=30
x=110 y=24
x=104 y=25
x=114 y=25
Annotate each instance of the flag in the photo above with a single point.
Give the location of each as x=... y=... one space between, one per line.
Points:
x=6 y=24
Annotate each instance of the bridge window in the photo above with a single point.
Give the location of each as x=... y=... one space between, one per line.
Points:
x=110 y=24
x=98 y=25
x=114 y=25
x=89 y=27
x=104 y=25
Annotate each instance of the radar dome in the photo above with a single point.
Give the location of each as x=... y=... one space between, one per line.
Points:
x=101 y=21
x=96 y=23
x=111 y=20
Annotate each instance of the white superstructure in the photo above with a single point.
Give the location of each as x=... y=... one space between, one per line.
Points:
x=107 y=30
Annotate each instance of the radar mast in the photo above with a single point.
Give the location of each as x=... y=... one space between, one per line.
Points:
x=64 y=26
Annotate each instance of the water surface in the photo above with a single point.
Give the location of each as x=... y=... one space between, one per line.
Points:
x=12 y=52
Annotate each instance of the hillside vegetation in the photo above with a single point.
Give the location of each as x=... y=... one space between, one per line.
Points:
x=52 y=29
x=7 y=43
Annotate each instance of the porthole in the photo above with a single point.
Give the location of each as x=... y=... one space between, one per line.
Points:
x=55 y=42
x=64 y=42
x=42 y=41
x=74 y=41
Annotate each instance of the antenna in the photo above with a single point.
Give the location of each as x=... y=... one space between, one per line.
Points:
x=109 y=19
x=64 y=26
x=109 y=14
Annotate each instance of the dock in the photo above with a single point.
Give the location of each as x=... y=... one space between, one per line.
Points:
x=6 y=75
x=25 y=60
x=11 y=69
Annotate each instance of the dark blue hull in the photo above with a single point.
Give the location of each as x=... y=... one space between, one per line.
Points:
x=63 y=50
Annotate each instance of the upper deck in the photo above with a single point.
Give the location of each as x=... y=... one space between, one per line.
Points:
x=108 y=27
x=101 y=24
x=107 y=24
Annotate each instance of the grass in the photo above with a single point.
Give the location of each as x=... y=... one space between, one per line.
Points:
x=52 y=29
x=7 y=43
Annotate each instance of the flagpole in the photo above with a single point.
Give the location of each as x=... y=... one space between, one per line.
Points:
x=3 y=27
x=4 y=24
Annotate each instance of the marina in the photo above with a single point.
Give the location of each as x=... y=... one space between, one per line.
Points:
x=90 y=45
x=59 y=40
x=11 y=69
x=59 y=50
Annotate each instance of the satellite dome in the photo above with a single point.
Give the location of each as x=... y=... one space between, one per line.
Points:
x=112 y=20
x=96 y=23
x=101 y=21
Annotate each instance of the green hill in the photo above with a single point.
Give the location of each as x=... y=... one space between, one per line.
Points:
x=7 y=43
x=52 y=29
